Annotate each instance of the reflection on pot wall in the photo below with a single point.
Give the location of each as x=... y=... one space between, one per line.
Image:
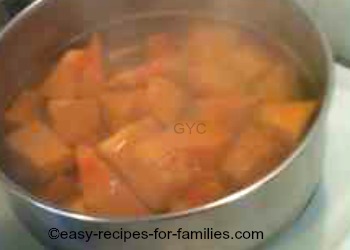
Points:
x=333 y=17
x=3 y=15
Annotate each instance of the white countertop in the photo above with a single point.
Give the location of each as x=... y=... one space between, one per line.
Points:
x=325 y=225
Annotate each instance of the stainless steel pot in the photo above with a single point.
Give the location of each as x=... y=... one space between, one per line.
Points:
x=30 y=41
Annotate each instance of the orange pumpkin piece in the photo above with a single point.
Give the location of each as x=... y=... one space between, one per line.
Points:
x=76 y=121
x=103 y=192
x=62 y=81
x=61 y=188
x=94 y=68
x=136 y=77
x=228 y=113
x=166 y=100
x=209 y=71
x=204 y=189
x=79 y=73
x=172 y=55
x=42 y=151
x=252 y=59
x=24 y=109
x=206 y=145
x=121 y=108
x=257 y=152
x=160 y=45
x=111 y=148
x=127 y=79
x=212 y=43
x=223 y=61
x=121 y=54
x=75 y=204
x=280 y=83
x=94 y=76
x=154 y=171
x=291 y=117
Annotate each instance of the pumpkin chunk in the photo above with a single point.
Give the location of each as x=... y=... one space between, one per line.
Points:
x=94 y=76
x=291 y=117
x=111 y=148
x=63 y=79
x=130 y=79
x=76 y=121
x=206 y=145
x=280 y=83
x=166 y=100
x=224 y=61
x=75 y=204
x=24 y=109
x=63 y=187
x=122 y=108
x=227 y=113
x=206 y=188
x=154 y=171
x=160 y=45
x=42 y=151
x=171 y=55
x=79 y=73
x=258 y=151
x=103 y=192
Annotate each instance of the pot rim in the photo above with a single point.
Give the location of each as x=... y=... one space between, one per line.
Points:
x=17 y=190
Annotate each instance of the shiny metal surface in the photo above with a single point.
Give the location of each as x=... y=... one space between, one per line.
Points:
x=3 y=15
x=31 y=41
